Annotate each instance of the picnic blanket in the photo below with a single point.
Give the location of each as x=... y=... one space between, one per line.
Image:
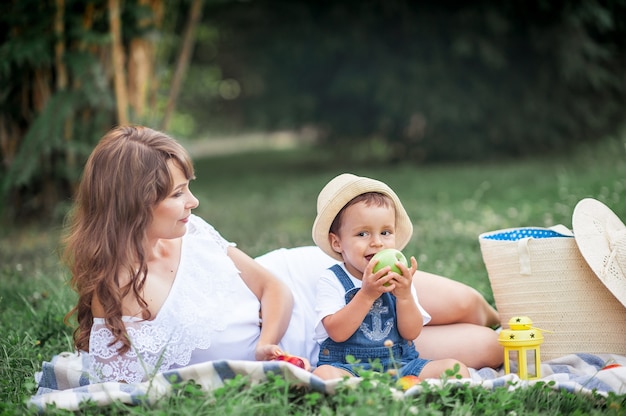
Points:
x=64 y=381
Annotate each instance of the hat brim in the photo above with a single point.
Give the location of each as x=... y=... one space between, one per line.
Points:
x=343 y=195
x=601 y=239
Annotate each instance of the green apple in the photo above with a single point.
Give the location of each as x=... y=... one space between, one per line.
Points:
x=389 y=257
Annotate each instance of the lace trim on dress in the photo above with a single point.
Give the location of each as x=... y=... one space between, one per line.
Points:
x=188 y=320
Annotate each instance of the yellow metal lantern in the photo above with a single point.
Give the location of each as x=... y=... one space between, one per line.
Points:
x=521 y=348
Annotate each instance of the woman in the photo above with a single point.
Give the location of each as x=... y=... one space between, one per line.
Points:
x=159 y=288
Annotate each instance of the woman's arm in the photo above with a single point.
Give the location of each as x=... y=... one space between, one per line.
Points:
x=276 y=302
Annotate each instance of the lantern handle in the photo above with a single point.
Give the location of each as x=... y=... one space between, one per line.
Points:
x=542 y=330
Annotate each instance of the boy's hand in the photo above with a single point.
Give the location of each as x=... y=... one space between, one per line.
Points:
x=384 y=280
x=374 y=283
x=402 y=282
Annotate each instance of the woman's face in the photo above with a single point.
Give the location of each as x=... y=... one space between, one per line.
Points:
x=170 y=216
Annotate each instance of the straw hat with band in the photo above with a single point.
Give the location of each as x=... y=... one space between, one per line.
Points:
x=601 y=239
x=341 y=190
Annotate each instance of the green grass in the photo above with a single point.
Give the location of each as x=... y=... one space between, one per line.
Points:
x=264 y=201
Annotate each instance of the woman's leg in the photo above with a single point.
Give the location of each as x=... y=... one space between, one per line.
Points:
x=328 y=372
x=448 y=301
x=461 y=323
x=438 y=368
x=473 y=345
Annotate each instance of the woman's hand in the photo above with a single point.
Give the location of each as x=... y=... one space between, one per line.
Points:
x=267 y=352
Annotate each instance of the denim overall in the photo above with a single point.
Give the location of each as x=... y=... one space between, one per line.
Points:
x=366 y=344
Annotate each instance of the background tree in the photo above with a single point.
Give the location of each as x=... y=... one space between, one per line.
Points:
x=430 y=80
x=405 y=80
x=195 y=13
x=69 y=71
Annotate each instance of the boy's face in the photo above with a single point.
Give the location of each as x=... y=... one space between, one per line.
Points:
x=365 y=230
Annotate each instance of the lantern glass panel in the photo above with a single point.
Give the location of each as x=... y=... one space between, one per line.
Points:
x=514 y=362
x=530 y=363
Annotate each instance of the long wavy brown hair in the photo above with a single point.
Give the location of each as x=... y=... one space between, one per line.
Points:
x=125 y=176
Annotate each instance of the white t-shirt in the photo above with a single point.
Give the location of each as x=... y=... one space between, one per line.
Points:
x=300 y=268
x=331 y=297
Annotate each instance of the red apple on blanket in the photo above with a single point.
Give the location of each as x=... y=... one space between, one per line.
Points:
x=406 y=382
x=291 y=359
x=389 y=257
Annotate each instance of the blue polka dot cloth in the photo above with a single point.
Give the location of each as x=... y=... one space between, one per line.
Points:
x=520 y=233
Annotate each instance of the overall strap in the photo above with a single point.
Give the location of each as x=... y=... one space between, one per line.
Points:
x=345 y=281
x=342 y=276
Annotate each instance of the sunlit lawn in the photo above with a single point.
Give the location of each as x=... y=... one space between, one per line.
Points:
x=264 y=201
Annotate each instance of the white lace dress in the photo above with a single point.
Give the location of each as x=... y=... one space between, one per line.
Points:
x=209 y=314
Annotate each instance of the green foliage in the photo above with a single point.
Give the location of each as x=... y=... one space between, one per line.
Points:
x=432 y=80
x=56 y=96
x=403 y=80
x=48 y=128
x=46 y=158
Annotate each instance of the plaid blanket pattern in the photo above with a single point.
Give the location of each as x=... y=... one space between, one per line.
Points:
x=64 y=382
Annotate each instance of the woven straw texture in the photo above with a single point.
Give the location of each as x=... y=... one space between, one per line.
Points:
x=548 y=280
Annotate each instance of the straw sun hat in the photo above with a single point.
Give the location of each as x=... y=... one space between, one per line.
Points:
x=341 y=190
x=601 y=239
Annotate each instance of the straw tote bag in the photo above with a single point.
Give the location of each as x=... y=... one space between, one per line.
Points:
x=541 y=273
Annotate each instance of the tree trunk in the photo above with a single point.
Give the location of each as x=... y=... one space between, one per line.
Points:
x=50 y=191
x=158 y=9
x=195 y=13
x=141 y=59
x=119 y=75
x=59 y=46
